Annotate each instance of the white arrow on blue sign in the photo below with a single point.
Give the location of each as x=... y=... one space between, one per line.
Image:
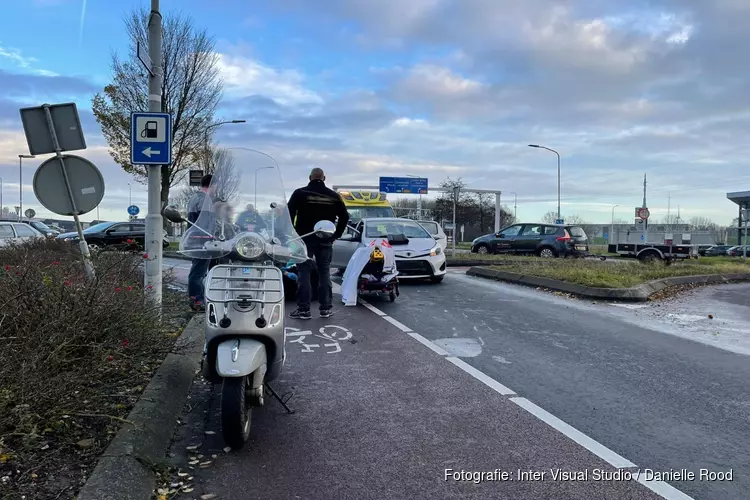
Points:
x=133 y=210
x=150 y=138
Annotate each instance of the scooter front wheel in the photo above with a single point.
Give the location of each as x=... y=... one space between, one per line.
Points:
x=236 y=414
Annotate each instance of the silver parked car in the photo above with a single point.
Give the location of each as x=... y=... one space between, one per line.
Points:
x=418 y=253
x=17 y=232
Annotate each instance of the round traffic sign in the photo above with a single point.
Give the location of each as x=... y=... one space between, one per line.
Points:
x=643 y=213
x=86 y=185
x=133 y=210
x=30 y=213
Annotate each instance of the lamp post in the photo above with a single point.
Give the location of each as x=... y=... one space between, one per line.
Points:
x=2 y=207
x=208 y=128
x=558 y=173
x=612 y=230
x=515 y=206
x=255 y=199
x=20 y=184
x=456 y=192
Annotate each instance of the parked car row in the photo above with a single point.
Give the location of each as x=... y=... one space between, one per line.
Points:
x=130 y=234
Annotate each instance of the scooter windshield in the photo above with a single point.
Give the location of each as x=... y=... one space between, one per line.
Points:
x=245 y=198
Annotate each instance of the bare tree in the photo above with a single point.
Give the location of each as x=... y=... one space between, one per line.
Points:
x=549 y=218
x=191 y=90
x=702 y=224
x=575 y=219
x=226 y=180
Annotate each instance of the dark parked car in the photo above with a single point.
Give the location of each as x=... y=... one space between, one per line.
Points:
x=126 y=235
x=716 y=250
x=738 y=251
x=544 y=240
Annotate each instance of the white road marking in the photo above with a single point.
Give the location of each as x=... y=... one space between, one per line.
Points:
x=661 y=488
x=582 y=439
x=482 y=377
x=428 y=343
x=373 y=308
x=397 y=324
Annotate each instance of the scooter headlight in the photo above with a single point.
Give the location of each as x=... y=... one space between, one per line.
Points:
x=437 y=250
x=250 y=246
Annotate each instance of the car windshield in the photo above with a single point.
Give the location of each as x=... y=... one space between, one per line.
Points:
x=97 y=227
x=359 y=213
x=577 y=232
x=431 y=227
x=40 y=226
x=410 y=229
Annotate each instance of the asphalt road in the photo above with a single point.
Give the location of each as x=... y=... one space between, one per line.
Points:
x=385 y=416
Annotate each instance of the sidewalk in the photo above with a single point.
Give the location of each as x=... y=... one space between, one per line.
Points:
x=381 y=416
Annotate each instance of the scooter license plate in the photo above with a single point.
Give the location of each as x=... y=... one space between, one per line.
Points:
x=245 y=270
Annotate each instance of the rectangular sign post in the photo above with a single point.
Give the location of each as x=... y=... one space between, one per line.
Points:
x=195 y=177
x=403 y=185
x=150 y=138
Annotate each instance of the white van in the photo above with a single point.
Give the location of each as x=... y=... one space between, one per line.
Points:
x=436 y=231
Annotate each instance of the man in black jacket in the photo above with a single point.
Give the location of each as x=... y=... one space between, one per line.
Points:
x=307 y=206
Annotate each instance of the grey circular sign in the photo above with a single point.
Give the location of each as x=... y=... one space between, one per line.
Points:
x=86 y=184
x=30 y=213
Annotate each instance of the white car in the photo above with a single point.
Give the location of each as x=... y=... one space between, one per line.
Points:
x=436 y=231
x=16 y=232
x=418 y=254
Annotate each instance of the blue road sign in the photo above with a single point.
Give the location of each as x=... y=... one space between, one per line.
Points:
x=412 y=185
x=606 y=236
x=150 y=138
x=642 y=237
x=559 y=221
x=133 y=210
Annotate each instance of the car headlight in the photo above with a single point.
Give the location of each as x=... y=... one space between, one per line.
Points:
x=437 y=250
x=251 y=246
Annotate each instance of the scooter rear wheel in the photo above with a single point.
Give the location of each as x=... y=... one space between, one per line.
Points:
x=236 y=415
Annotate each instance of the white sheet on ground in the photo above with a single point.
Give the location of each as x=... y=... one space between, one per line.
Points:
x=357 y=263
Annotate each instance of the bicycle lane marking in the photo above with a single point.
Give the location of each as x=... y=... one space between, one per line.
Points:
x=661 y=488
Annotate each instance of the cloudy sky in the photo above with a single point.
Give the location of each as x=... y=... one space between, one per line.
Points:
x=434 y=88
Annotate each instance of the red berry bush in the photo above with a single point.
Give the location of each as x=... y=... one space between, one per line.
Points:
x=75 y=355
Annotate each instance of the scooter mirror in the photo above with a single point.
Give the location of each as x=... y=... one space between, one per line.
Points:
x=324 y=228
x=173 y=215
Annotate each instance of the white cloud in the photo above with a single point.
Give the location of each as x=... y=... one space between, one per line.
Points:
x=244 y=76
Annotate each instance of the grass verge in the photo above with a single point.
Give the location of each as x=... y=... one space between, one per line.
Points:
x=615 y=274
x=75 y=356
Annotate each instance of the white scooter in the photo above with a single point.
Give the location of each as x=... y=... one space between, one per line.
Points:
x=244 y=323
x=244 y=346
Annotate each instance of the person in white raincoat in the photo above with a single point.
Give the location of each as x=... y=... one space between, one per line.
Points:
x=357 y=263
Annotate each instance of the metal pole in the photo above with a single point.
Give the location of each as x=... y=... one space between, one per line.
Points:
x=497 y=212
x=154 y=224
x=612 y=229
x=2 y=207
x=515 y=207
x=87 y=264
x=453 y=240
x=130 y=194
x=744 y=242
x=558 y=185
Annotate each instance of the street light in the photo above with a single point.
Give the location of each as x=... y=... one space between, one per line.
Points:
x=255 y=203
x=20 y=184
x=2 y=207
x=515 y=205
x=612 y=230
x=558 y=173
x=206 y=136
